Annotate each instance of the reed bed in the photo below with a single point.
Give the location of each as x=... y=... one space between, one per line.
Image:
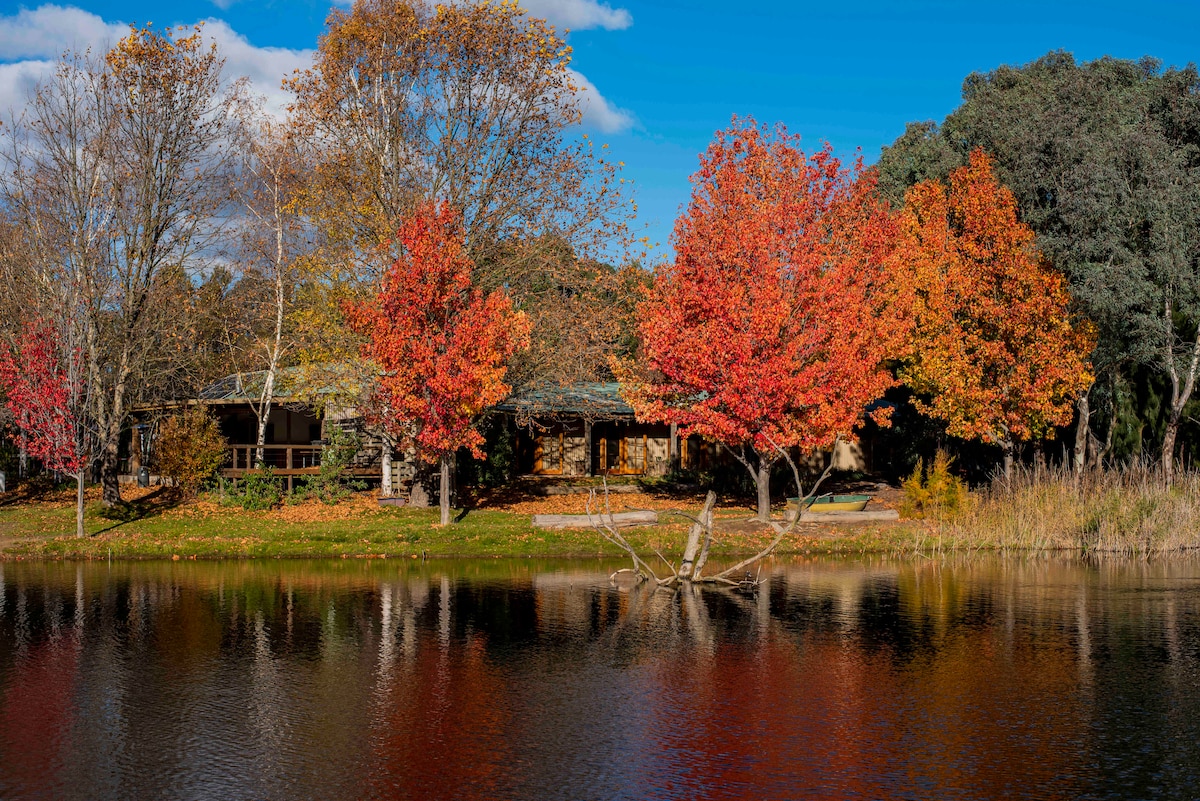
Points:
x=1128 y=510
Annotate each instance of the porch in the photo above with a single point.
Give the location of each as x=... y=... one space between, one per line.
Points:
x=290 y=461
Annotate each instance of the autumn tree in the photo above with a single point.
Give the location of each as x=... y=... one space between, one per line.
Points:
x=45 y=391
x=994 y=352
x=190 y=449
x=117 y=172
x=1102 y=159
x=469 y=104
x=771 y=327
x=439 y=343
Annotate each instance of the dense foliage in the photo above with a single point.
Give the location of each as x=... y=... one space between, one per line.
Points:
x=423 y=231
x=994 y=353
x=1103 y=159
x=441 y=345
x=772 y=326
x=190 y=449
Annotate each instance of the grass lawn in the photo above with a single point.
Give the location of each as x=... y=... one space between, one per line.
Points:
x=497 y=525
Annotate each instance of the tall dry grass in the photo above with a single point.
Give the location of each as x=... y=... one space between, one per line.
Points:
x=1129 y=510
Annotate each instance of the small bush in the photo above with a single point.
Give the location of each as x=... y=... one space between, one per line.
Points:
x=260 y=490
x=934 y=493
x=332 y=482
x=190 y=449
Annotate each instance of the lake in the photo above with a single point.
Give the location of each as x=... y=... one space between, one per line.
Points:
x=964 y=678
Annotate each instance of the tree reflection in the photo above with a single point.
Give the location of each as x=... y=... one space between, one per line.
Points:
x=876 y=678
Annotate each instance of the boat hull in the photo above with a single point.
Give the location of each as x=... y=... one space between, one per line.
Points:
x=833 y=503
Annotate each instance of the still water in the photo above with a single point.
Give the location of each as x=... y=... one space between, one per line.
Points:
x=980 y=678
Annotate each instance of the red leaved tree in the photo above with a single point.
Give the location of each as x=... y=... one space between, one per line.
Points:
x=44 y=391
x=994 y=352
x=441 y=345
x=771 y=327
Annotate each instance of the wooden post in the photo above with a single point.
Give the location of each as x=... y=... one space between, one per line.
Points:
x=135 y=450
x=604 y=455
x=673 y=449
x=288 y=451
x=587 y=447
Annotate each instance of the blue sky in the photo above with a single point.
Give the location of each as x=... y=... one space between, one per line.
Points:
x=668 y=74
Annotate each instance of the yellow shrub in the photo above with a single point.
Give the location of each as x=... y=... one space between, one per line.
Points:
x=934 y=493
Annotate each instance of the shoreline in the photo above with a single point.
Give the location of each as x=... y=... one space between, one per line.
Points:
x=1121 y=514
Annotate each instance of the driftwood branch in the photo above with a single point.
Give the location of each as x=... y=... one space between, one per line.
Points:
x=700 y=536
x=610 y=532
x=782 y=531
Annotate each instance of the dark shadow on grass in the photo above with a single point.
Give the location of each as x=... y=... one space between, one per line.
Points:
x=39 y=488
x=151 y=505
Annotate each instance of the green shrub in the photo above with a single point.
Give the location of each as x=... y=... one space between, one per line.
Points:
x=259 y=490
x=332 y=483
x=934 y=493
x=190 y=449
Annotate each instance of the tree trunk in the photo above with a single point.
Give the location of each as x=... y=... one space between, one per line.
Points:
x=1082 y=432
x=79 y=503
x=760 y=472
x=1168 y=447
x=444 y=490
x=1181 y=393
x=385 y=483
x=110 y=456
x=673 y=460
x=22 y=454
x=1008 y=447
x=110 y=460
x=763 y=481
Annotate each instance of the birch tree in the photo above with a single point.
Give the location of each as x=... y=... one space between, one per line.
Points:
x=272 y=242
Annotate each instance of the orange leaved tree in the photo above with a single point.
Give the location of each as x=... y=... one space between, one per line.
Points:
x=440 y=344
x=994 y=352
x=771 y=327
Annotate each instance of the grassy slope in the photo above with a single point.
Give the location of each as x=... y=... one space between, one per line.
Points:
x=1118 y=511
x=42 y=529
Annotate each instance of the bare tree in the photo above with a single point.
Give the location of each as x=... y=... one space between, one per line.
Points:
x=696 y=548
x=117 y=172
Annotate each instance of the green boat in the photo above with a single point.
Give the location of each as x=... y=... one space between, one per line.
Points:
x=831 y=503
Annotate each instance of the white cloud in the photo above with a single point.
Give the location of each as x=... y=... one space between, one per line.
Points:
x=31 y=41
x=266 y=67
x=45 y=32
x=580 y=14
x=597 y=111
x=17 y=83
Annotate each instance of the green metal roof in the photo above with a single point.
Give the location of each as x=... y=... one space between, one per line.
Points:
x=594 y=400
x=290 y=382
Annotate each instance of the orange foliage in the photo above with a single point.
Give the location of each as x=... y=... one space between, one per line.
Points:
x=441 y=345
x=774 y=321
x=994 y=352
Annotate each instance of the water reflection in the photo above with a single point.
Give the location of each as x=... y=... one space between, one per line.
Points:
x=985 y=678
